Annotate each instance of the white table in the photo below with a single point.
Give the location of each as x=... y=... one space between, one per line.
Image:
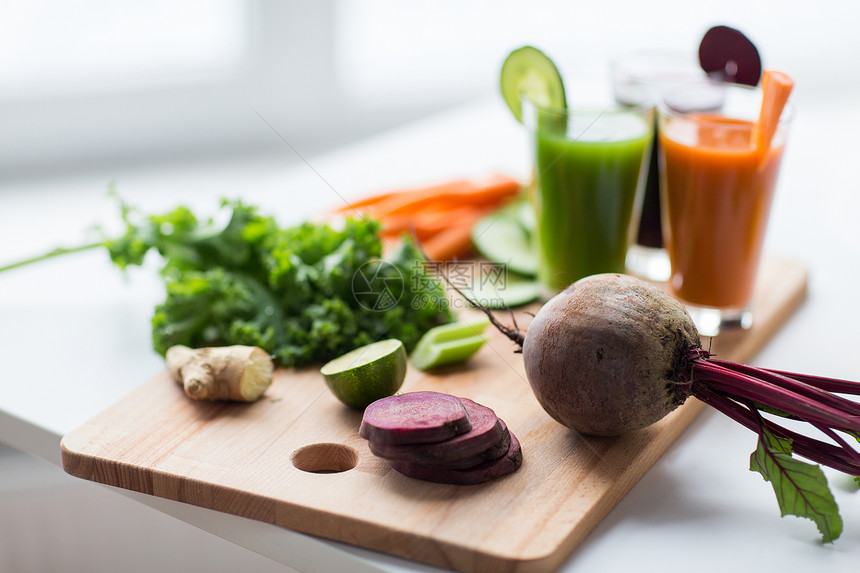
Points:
x=74 y=333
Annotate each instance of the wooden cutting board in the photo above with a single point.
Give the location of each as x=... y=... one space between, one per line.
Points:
x=295 y=459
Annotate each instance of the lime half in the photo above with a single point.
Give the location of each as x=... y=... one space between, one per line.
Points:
x=368 y=373
x=528 y=71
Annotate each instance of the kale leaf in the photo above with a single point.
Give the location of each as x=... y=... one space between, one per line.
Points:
x=306 y=293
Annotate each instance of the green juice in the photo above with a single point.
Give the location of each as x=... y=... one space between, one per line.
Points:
x=585 y=197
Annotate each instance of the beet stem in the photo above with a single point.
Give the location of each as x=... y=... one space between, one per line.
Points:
x=811 y=448
x=793 y=382
x=742 y=385
x=514 y=334
x=830 y=433
x=721 y=384
x=840 y=459
x=823 y=383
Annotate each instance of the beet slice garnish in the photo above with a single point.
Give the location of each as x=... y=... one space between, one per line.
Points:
x=727 y=55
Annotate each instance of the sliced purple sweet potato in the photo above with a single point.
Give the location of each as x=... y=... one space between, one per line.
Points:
x=481 y=473
x=414 y=418
x=487 y=430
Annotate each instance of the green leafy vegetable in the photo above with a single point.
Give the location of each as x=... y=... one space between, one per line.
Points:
x=801 y=488
x=306 y=293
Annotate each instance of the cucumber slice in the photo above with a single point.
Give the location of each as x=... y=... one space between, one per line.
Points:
x=508 y=290
x=526 y=216
x=449 y=344
x=503 y=238
x=528 y=71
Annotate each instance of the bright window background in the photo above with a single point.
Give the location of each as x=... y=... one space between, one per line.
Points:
x=88 y=83
x=412 y=47
x=50 y=48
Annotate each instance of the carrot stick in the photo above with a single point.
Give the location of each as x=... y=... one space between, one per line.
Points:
x=376 y=199
x=491 y=190
x=405 y=227
x=476 y=194
x=427 y=223
x=362 y=203
x=451 y=243
x=441 y=216
x=446 y=217
x=436 y=209
x=775 y=87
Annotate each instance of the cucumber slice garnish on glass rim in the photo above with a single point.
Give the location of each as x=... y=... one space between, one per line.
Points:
x=529 y=72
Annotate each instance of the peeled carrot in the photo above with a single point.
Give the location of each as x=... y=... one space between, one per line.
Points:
x=363 y=203
x=452 y=243
x=776 y=87
x=460 y=192
x=441 y=216
x=432 y=220
x=396 y=227
x=373 y=201
x=474 y=194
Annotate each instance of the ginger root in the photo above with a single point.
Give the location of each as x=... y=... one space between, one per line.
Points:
x=240 y=373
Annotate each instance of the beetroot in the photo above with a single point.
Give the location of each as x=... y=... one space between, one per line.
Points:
x=414 y=418
x=481 y=473
x=610 y=355
x=487 y=431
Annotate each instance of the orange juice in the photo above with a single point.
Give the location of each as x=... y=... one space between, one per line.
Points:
x=717 y=189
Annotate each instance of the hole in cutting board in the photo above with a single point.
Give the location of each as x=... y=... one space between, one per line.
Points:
x=325 y=458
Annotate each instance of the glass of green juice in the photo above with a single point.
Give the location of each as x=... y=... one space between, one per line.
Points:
x=589 y=166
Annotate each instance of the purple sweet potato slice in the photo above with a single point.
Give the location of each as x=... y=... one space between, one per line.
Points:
x=414 y=418
x=486 y=431
x=481 y=473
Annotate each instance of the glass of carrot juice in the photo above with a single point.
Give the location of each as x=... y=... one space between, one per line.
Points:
x=717 y=182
